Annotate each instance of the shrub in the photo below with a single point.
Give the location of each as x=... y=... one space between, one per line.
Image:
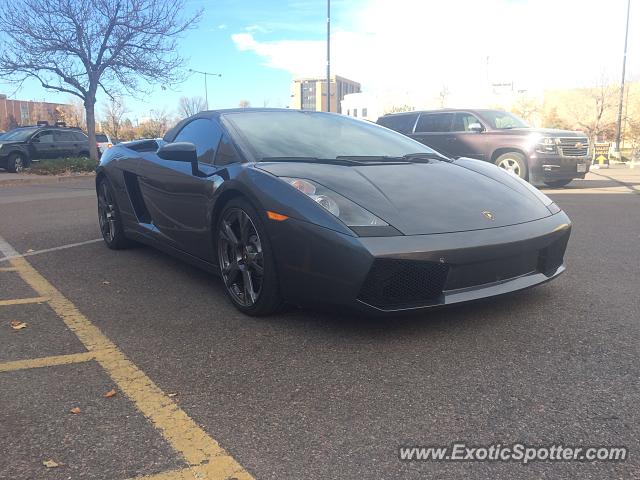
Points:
x=61 y=166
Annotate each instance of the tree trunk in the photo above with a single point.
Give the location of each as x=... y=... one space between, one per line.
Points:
x=89 y=105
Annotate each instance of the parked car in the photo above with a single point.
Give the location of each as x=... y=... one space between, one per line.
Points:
x=21 y=146
x=539 y=155
x=103 y=142
x=319 y=208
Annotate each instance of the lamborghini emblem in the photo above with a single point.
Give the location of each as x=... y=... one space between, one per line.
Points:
x=488 y=215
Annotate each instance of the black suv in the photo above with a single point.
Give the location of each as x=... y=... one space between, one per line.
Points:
x=20 y=146
x=552 y=157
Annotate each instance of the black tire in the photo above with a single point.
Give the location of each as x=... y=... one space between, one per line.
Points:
x=17 y=163
x=514 y=163
x=84 y=155
x=245 y=258
x=109 y=217
x=558 y=183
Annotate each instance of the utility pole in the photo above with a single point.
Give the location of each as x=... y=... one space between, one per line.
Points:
x=328 y=55
x=624 y=66
x=206 y=89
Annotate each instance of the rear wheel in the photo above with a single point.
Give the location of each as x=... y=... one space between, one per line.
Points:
x=109 y=218
x=558 y=183
x=514 y=163
x=16 y=163
x=246 y=260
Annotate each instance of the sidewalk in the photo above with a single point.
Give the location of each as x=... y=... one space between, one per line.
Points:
x=629 y=177
x=8 y=179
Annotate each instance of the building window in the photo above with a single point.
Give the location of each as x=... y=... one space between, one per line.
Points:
x=355 y=112
x=364 y=112
x=308 y=95
x=348 y=111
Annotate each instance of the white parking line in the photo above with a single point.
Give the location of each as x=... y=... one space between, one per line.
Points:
x=12 y=253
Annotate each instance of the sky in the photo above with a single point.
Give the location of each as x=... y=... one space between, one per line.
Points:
x=391 y=46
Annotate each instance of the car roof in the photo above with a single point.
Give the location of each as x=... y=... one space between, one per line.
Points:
x=446 y=110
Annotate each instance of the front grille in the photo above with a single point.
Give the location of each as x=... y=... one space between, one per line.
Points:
x=398 y=283
x=574 y=146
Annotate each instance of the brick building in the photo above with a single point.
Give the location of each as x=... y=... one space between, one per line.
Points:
x=14 y=113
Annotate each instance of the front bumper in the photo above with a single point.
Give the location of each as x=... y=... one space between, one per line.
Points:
x=557 y=167
x=319 y=266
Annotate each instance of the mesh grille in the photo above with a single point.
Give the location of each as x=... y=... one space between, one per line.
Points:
x=392 y=283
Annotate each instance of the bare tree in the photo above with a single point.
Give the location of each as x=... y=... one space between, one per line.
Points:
x=594 y=113
x=73 y=114
x=245 y=104
x=442 y=96
x=114 y=113
x=188 y=106
x=80 y=46
x=156 y=125
x=527 y=108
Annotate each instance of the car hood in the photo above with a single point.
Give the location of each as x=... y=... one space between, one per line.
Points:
x=419 y=198
x=546 y=132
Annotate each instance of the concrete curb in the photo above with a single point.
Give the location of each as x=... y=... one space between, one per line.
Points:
x=41 y=179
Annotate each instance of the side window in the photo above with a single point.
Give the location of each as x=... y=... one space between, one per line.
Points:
x=462 y=121
x=226 y=153
x=434 y=122
x=61 y=136
x=204 y=134
x=399 y=123
x=79 y=137
x=45 y=136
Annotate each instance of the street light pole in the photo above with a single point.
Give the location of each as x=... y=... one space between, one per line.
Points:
x=624 y=65
x=329 y=55
x=206 y=89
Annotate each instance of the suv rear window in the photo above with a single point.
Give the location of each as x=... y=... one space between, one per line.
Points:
x=399 y=123
x=434 y=122
x=101 y=138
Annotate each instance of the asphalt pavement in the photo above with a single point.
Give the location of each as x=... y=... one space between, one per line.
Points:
x=306 y=394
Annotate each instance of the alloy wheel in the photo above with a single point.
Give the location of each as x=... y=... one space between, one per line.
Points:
x=18 y=164
x=106 y=213
x=510 y=165
x=240 y=256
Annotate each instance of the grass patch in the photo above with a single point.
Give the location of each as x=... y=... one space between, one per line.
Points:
x=63 y=166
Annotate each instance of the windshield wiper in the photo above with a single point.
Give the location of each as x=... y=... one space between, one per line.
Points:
x=332 y=161
x=413 y=157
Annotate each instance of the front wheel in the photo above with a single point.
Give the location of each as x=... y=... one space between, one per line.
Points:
x=558 y=183
x=16 y=163
x=513 y=162
x=109 y=218
x=246 y=260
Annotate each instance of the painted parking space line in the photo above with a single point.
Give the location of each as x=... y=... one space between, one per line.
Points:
x=8 y=269
x=7 y=257
x=23 y=301
x=205 y=457
x=47 y=361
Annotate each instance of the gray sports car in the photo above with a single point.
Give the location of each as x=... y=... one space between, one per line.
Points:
x=316 y=208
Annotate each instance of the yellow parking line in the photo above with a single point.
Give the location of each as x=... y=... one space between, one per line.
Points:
x=23 y=301
x=8 y=269
x=184 y=435
x=47 y=361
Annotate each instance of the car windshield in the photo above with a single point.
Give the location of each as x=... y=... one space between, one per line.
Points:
x=101 y=138
x=18 y=134
x=318 y=135
x=503 y=120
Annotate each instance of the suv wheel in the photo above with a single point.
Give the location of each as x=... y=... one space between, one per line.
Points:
x=514 y=163
x=16 y=163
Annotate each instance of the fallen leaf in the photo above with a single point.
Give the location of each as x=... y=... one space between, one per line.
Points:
x=106 y=282
x=50 y=464
x=110 y=393
x=18 y=325
x=75 y=410
x=29 y=251
x=171 y=395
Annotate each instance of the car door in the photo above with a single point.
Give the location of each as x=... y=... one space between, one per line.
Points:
x=64 y=141
x=434 y=130
x=467 y=140
x=44 y=146
x=178 y=201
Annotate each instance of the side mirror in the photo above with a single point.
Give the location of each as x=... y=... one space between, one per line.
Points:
x=180 y=152
x=475 y=127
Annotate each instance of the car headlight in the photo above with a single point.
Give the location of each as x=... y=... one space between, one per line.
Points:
x=547 y=145
x=350 y=213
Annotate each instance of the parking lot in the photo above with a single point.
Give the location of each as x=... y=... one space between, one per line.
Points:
x=202 y=391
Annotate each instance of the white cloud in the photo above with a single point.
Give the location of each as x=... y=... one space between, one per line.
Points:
x=418 y=45
x=222 y=26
